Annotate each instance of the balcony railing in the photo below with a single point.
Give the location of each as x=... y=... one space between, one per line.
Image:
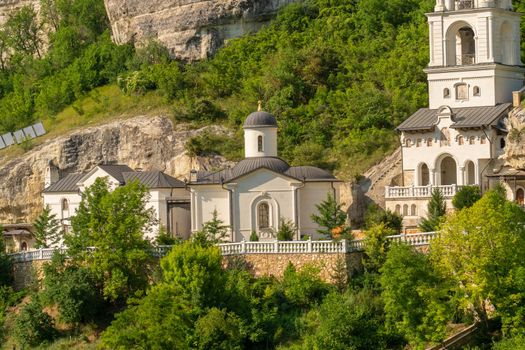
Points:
x=448 y=191
x=465 y=59
x=275 y=247
x=464 y=4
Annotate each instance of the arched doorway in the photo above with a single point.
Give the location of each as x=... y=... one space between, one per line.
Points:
x=461 y=45
x=23 y=246
x=424 y=178
x=448 y=171
x=520 y=196
x=471 y=173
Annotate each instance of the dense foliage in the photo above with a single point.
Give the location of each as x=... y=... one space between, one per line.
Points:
x=466 y=197
x=47 y=229
x=338 y=75
x=114 y=223
x=436 y=211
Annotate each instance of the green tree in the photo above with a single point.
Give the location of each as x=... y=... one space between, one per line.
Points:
x=114 y=224
x=375 y=215
x=33 y=326
x=466 y=197
x=47 y=229
x=483 y=249
x=24 y=33
x=376 y=246
x=212 y=232
x=415 y=295
x=436 y=210
x=72 y=288
x=331 y=218
x=218 y=329
x=6 y=264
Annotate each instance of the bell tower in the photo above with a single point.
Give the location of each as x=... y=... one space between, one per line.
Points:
x=474 y=53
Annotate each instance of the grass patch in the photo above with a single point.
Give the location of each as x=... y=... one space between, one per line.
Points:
x=101 y=105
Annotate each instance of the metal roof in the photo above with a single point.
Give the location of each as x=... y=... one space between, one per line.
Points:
x=508 y=172
x=467 y=117
x=67 y=184
x=260 y=119
x=124 y=174
x=116 y=171
x=275 y=164
x=153 y=179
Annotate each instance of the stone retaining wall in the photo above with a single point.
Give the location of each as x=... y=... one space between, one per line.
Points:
x=27 y=273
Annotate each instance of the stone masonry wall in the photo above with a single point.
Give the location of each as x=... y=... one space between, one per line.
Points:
x=26 y=273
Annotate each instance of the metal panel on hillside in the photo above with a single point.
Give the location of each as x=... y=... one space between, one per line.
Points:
x=2 y=144
x=19 y=136
x=8 y=139
x=29 y=132
x=39 y=129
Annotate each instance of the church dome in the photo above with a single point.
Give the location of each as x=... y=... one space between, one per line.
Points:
x=260 y=119
x=248 y=165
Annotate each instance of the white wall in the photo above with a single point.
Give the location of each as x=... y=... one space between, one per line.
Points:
x=269 y=142
x=249 y=192
x=414 y=156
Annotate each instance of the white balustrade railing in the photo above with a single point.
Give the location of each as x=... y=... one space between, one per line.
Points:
x=265 y=247
x=420 y=191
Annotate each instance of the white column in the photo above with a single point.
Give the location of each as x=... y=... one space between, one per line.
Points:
x=490 y=39
x=439 y=6
x=461 y=179
x=433 y=179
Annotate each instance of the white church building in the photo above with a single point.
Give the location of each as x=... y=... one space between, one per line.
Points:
x=474 y=69
x=168 y=196
x=260 y=190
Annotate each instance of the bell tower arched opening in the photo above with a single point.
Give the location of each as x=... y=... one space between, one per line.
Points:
x=461 y=45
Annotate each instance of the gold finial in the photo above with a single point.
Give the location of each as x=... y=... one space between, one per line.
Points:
x=259 y=105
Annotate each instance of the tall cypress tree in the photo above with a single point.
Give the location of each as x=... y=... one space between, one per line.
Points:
x=331 y=218
x=47 y=229
x=437 y=208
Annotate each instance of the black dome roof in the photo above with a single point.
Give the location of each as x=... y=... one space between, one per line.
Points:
x=260 y=119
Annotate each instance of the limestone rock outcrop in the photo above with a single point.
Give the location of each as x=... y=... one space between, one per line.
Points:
x=141 y=142
x=8 y=7
x=515 y=145
x=190 y=29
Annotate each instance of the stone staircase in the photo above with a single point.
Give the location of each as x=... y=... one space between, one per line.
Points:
x=385 y=173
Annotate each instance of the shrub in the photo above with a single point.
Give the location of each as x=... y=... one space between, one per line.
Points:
x=287 y=230
x=303 y=288
x=33 y=326
x=218 y=329
x=375 y=215
x=72 y=289
x=466 y=197
x=254 y=237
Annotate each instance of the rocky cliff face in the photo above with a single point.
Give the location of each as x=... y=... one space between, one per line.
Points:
x=142 y=142
x=514 y=149
x=190 y=29
x=8 y=7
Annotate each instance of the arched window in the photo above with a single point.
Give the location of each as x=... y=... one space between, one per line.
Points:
x=446 y=92
x=461 y=92
x=405 y=210
x=418 y=143
x=408 y=142
x=472 y=140
x=429 y=142
x=483 y=140
x=23 y=246
x=65 y=208
x=263 y=215
x=413 y=210
x=398 y=209
x=520 y=196
x=502 y=143
x=461 y=141
x=259 y=143
x=476 y=91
